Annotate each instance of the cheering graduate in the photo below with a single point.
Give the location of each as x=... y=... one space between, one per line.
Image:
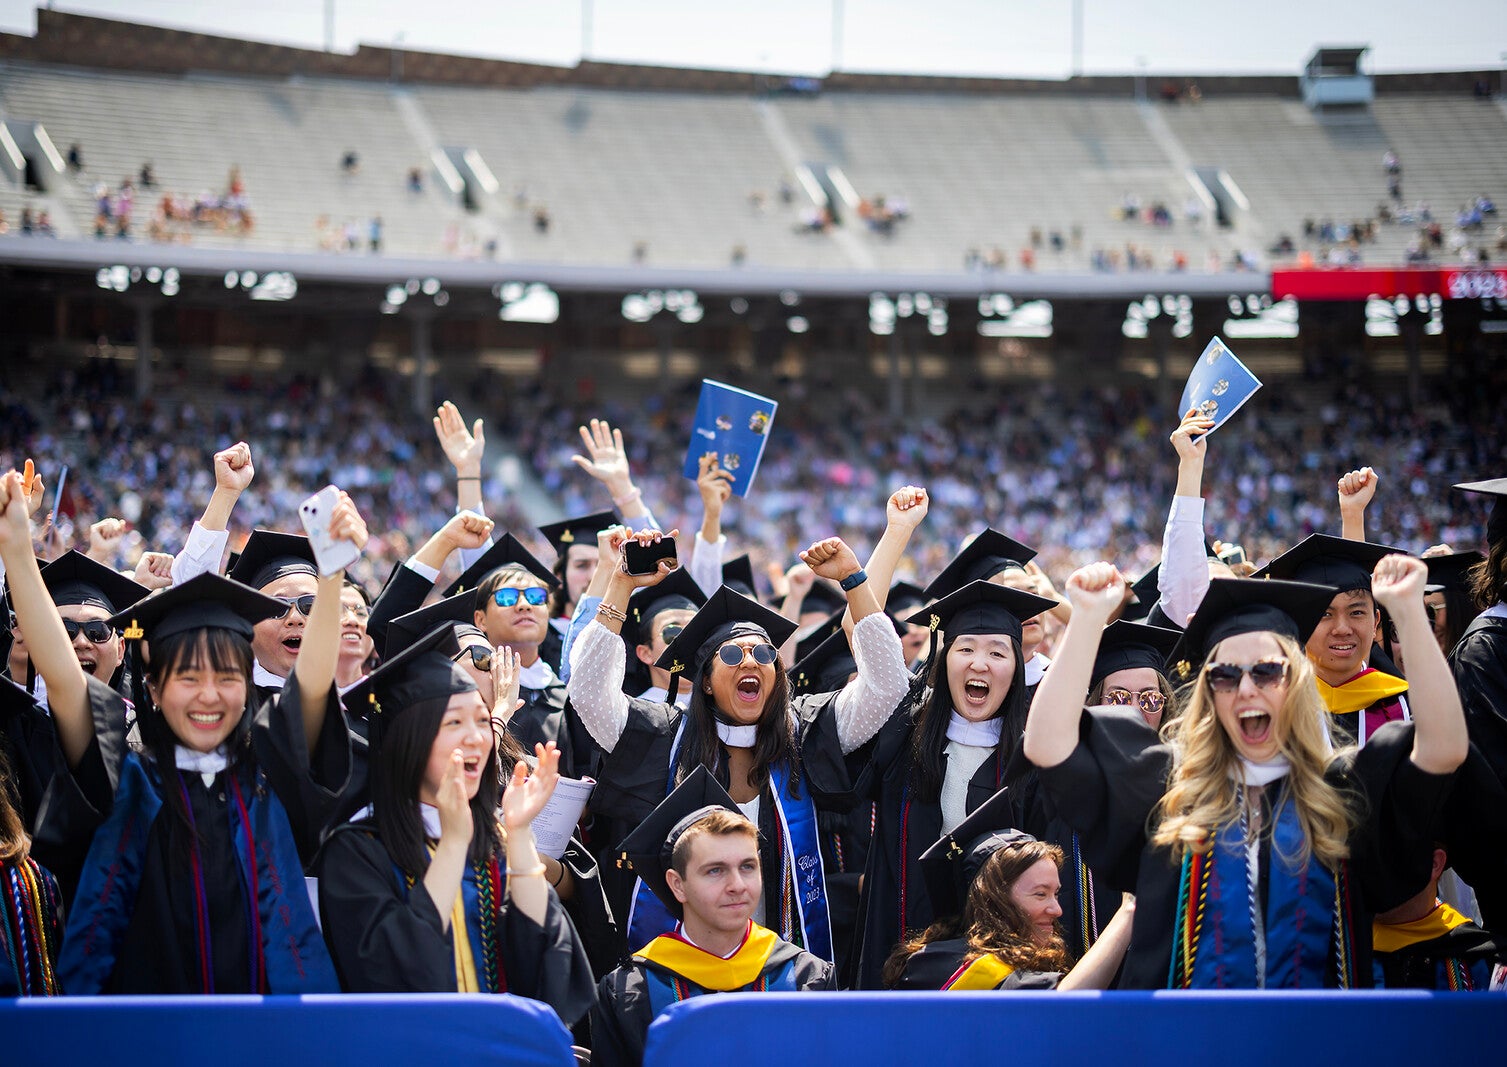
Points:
x=1360 y=698
x=188 y=858
x=576 y=554
x=30 y=907
x=942 y=755
x=778 y=756
x=700 y=856
x=428 y=893
x=1426 y=944
x=1257 y=854
x=281 y=566
x=1450 y=600
x=656 y=616
x=995 y=891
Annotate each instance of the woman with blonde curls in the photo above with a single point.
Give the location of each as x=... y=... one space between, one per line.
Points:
x=1257 y=854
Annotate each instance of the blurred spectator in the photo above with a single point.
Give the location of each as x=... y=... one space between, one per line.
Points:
x=415 y=180
x=350 y=163
x=147 y=177
x=374 y=234
x=541 y=219
x=75 y=157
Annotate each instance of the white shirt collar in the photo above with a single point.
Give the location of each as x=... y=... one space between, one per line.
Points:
x=431 y=816
x=977 y=734
x=204 y=764
x=657 y=694
x=1260 y=774
x=737 y=736
x=262 y=678
x=1036 y=666
x=537 y=676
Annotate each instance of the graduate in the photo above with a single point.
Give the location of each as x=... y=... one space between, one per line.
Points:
x=429 y=894
x=187 y=859
x=700 y=856
x=779 y=757
x=1450 y=601
x=995 y=891
x=1256 y=853
x=31 y=907
x=940 y=756
x=281 y=566
x=1360 y=697
x=575 y=544
x=1426 y=944
x=656 y=616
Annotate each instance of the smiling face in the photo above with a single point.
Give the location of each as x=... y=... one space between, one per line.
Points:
x=980 y=669
x=355 y=644
x=203 y=697
x=276 y=641
x=1137 y=681
x=1251 y=715
x=523 y=625
x=466 y=725
x=741 y=692
x=101 y=659
x=721 y=885
x=1035 y=894
x=580 y=565
x=483 y=679
x=1032 y=632
x=1342 y=640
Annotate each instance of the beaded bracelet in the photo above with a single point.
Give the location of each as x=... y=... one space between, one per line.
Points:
x=607 y=611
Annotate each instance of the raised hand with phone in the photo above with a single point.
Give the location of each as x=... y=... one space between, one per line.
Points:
x=338 y=534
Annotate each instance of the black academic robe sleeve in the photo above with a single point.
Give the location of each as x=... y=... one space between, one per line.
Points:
x=309 y=785
x=386 y=938
x=405 y=591
x=28 y=740
x=620 y=1018
x=824 y=766
x=1479 y=664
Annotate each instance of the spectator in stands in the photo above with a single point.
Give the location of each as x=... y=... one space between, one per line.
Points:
x=147 y=178
x=374 y=234
x=1390 y=163
x=350 y=163
x=1056 y=241
x=415 y=180
x=4 y=224
x=44 y=224
x=640 y=251
x=541 y=219
x=739 y=255
x=75 y=157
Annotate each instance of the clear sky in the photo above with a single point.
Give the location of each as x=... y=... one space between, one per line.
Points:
x=1029 y=38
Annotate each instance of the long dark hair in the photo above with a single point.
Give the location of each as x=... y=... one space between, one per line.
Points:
x=1488 y=579
x=929 y=737
x=397 y=774
x=14 y=844
x=219 y=650
x=774 y=739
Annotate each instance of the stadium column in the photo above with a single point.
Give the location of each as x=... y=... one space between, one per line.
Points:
x=144 y=345
x=421 y=321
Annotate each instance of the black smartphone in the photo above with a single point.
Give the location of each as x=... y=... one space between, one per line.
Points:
x=644 y=559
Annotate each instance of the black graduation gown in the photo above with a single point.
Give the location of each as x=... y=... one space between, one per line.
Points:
x=28 y=741
x=552 y=648
x=622 y=1014
x=930 y=969
x=544 y=717
x=159 y=953
x=405 y=591
x=904 y=827
x=386 y=938
x=1109 y=786
x=845 y=845
x=1418 y=965
x=633 y=777
x=1478 y=823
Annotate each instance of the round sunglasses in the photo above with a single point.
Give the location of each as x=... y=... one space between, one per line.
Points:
x=508 y=596
x=1151 y=701
x=1225 y=677
x=733 y=654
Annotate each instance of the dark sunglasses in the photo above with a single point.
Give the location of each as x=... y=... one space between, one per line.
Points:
x=304 y=604
x=671 y=632
x=507 y=597
x=481 y=658
x=1433 y=611
x=732 y=654
x=1151 y=701
x=96 y=631
x=360 y=611
x=1225 y=677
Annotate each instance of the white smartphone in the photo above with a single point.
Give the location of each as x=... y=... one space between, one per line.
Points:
x=330 y=554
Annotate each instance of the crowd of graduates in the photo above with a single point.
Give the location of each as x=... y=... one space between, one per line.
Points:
x=251 y=772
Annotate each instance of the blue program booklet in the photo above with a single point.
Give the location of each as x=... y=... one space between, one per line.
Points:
x=1219 y=384
x=733 y=423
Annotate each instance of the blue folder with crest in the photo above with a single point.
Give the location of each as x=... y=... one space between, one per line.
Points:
x=1219 y=384
x=733 y=423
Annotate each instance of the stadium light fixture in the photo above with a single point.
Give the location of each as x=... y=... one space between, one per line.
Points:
x=797 y=324
x=1258 y=317
x=530 y=302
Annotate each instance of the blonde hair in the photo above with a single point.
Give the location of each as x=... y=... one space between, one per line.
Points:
x=1204 y=795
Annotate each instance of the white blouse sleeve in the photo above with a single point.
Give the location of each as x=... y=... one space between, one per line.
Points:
x=867 y=702
x=597 y=662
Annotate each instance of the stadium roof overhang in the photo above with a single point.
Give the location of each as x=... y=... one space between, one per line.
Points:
x=91 y=256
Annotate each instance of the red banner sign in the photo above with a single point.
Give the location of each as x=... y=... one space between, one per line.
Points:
x=1343 y=283
x=1475 y=284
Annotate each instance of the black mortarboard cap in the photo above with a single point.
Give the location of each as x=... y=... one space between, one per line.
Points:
x=823 y=596
x=725 y=614
x=950 y=864
x=1496 y=523
x=904 y=599
x=819 y=633
x=1247 y=605
x=1340 y=564
x=74 y=578
x=823 y=668
x=421 y=672
x=677 y=591
x=981 y=607
x=578 y=530
x=1125 y=646
x=269 y=555
x=988 y=554
x=649 y=848
x=456 y=611
x=1147 y=590
x=739 y=574
x=505 y=550
x=1449 y=572
x=202 y=603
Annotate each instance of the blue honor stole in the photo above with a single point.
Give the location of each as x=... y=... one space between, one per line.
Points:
x=806 y=921
x=1299 y=921
x=294 y=954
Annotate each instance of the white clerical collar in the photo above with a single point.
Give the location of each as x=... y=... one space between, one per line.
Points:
x=262 y=678
x=978 y=734
x=205 y=764
x=1260 y=774
x=680 y=932
x=344 y=689
x=1036 y=666
x=537 y=675
x=737 y=736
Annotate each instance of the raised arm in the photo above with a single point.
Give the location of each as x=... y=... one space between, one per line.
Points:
x=906 y=508
x=1052 y=726
x=523 y=799
x=715 y=486
x=464 y=450
x=1355 y=490
x=608 y=464
x=47 y=641
x=1098 y=966
x=314 y=670
x=202 y=552
x=1184 y=577
x=105 y=537
x=1439 y=736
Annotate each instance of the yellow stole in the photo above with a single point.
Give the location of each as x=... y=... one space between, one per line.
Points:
x=986 y=972
x=1360 y=692
x=1390 y=937
x=713 y=972
x=460 y=937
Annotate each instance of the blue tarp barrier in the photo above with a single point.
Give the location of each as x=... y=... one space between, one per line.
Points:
x=369 y=1031
x=1104 y=1029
